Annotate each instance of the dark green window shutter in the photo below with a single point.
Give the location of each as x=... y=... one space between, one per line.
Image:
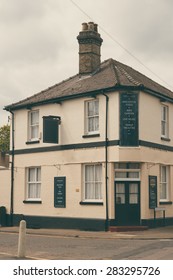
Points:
x=51 y=129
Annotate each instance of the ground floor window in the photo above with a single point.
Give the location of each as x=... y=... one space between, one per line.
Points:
x=93 y=182
x=33 y=191
x=164 y=182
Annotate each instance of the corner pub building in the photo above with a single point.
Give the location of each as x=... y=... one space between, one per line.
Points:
x=95 y=150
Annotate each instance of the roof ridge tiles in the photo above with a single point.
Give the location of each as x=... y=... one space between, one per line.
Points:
x=115 y=72
x=128 y=76
x=146 y=77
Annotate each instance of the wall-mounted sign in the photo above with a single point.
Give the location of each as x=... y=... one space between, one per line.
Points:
x=152 y=192
x=129 y=119
x=51 y=129
x=60 y=192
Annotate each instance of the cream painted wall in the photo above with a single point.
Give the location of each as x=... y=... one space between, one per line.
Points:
x=144 y=154
x=69 y=164
x=72 y=126
x=150 y=119
x=57 y=164
x=146 y=213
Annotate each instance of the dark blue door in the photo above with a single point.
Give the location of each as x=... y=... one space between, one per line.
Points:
x=127 y=203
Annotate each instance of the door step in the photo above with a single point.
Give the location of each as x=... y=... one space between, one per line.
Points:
x=127 y=228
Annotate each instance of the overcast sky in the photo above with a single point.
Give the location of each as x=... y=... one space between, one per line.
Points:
x=39 y=48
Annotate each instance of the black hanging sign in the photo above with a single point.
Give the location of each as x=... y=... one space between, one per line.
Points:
x=152 y=192
x=129 y=119
x=51 y=129
x=60 y=192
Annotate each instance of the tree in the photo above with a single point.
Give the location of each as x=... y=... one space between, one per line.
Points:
x=4 y=138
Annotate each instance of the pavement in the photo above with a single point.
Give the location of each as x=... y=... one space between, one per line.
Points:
x=150 y=234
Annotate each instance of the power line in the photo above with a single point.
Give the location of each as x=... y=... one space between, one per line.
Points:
x=79 y=8
x=121 y=45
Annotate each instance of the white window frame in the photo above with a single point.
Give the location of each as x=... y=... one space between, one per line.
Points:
x=32 y=126
x=36 y=183
x=164 y=121
x=85 y=199
x=93 y=116
x=164 y=183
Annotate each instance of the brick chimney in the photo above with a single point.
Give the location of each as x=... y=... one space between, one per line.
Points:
x=89 y=48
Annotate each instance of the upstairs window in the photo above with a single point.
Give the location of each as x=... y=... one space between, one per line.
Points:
x=33 y=125
x=164 y=121
x=92 y=116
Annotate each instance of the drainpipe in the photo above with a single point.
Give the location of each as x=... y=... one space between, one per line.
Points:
x=12 y=173
x=106 y=164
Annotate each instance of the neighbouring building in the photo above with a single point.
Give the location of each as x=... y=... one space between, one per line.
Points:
x=95 y=150
x=4 y=187
x=4 y=160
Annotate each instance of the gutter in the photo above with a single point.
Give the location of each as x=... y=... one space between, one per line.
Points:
x=12 y=173
x=106 y=164
x=158 y=95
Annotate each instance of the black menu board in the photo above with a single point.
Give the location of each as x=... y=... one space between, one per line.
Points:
x=60 y=192
x=152 y=192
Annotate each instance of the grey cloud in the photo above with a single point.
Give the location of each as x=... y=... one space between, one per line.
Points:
x=141 y=26
x=13 y=11
x=147 y=26
x=39 y=46
x=30 y=42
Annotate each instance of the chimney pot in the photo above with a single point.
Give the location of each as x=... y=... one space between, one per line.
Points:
x=84 y=26
x=91 y=26
x=95 y=27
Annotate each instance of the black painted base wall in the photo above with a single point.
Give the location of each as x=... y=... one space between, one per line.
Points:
x=59 y=222
x=77 y=223
x=159 y=222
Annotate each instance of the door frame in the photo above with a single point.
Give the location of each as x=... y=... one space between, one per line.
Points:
x=139 y=198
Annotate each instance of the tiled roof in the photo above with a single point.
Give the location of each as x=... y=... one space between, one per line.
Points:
x=112 y=74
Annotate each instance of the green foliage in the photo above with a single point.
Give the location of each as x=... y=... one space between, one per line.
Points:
x=5 y=138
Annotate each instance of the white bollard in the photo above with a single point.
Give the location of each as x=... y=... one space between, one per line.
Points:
x=22 y=240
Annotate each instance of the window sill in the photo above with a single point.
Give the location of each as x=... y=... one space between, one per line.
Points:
x=90 y=203
x=165 y=202
x=32 y=142
x=165 y=139
x=32 y=201
x=91 y=135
